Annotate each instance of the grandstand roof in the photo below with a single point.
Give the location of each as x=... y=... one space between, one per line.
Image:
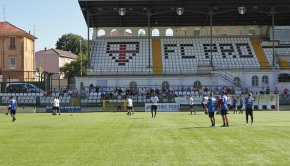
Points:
x=104 y=13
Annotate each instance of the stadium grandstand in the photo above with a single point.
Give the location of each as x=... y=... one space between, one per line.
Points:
x=187 y=47
x=177 y=48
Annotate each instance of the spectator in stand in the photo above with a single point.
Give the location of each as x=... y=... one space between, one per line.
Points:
x=84 y=93
x=97 y=89
x=268 y=90
x=91 y=88
x=286 y=92
x=205 y=90
x=102 y=96
x=276 y=91
x=48 y=92
x=157 y=91
x=44 y=93
x=69 y=93
x=262 y=90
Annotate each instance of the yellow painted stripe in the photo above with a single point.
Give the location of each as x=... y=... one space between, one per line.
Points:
x=157 y=58
x=260 y=55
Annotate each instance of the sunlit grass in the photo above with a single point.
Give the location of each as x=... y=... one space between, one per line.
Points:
x=169 y=139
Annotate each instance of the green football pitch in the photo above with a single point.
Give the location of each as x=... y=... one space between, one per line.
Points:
x=172 y=138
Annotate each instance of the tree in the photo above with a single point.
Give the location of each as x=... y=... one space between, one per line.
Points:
x=71 y=42
x=74 y=67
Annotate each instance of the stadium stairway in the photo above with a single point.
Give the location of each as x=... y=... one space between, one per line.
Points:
x=156 y=57
x=260 y=55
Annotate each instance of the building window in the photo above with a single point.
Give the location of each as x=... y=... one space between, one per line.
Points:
x=252 y=31
x=101 y=32
x=169 y=32
x=210 y=31
x=141 y=32
x=12 y=43
x=155 y=32
x=114 y=32
x=238 y=31
x=12 y=63
x=128 y=32
x=265 y=80
x=196 y=85
x=224 y=32
x=165 y=85
x=255 y=81
x=133 y=85
x=182 y=32
x=196 y=32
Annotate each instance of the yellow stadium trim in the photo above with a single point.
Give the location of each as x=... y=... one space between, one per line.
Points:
x=156 y=57
x=260 y=55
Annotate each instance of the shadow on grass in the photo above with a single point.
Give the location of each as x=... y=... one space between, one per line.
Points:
x=202 y=127
x=197 y=127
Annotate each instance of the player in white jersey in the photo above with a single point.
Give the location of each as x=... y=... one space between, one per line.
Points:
x=229 y=100
x=191 y=104
x=130 y=105
x=154 y=100
x=204 y=104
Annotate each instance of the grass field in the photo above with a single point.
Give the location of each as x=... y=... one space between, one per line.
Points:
x=107 y=138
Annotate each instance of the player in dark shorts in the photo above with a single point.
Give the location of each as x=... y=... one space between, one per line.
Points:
x=212 y=102
x=8 y=107
x=242 y=100
x=154 y=100
x=13 y=104
x=191 y=104
x=204 y=104
x=249 y=101
x=224 y=110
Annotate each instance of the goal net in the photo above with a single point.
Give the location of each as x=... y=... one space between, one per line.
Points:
x=114 y=105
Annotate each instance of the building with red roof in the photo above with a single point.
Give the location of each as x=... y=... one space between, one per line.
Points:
x=17 y=50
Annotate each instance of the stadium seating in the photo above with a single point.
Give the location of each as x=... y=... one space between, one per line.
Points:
x=178 y=55
x=121 y=56
x=186 y=54
x=278 y=50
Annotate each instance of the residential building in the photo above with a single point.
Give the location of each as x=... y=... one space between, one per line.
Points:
x=51 y=60
x=17 y=48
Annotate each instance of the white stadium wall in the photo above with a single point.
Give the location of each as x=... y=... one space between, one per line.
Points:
x=182 y=80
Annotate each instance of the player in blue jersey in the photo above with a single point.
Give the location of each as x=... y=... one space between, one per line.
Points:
x=249 y=101
x=235 y=101
x=13 y=108
x=211 y=103
x=242 y=100
x=224 y=110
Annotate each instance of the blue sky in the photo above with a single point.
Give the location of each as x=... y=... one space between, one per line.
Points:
x=51 y=19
